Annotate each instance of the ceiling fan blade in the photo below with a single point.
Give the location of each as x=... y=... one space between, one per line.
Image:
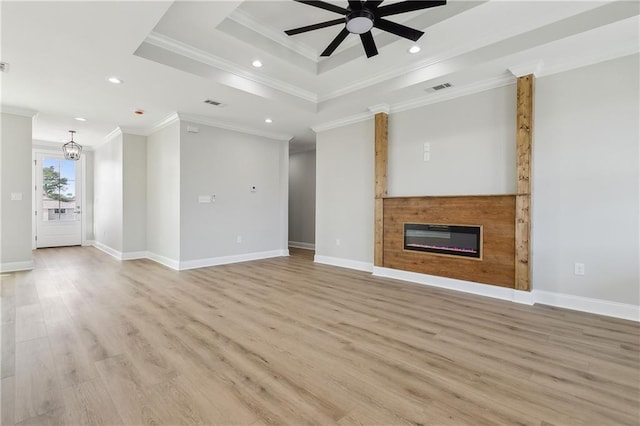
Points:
x=372 y=4
x=315 y=26
x=355 y=4
x=398 y=29
x=335 y=43
x=368 y=44
x=326 y=6
x=408 y=6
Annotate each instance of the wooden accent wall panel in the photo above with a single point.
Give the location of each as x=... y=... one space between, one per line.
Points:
x=524 y=138
x=381 y=150
x=496 y=214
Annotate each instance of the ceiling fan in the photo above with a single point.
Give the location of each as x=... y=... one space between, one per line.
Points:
x=361 y=16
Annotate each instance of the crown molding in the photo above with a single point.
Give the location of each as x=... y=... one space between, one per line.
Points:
x=24 y=112
x=112 y=134
x=233 y=127
x=454 y=92
x=345 y=121
x=183 y=49
x=247 y=20
x=525 y=69
x=584 y=61
x=375 y=109
x=167 y=121
x=133 y=131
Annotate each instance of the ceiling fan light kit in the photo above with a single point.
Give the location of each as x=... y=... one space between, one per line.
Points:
x=360 y=21
x=360 y=17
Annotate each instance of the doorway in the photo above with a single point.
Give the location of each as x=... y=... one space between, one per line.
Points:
x=58 y=201
x=302 y=198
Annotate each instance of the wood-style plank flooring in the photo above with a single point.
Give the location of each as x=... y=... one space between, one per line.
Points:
x=87 y=339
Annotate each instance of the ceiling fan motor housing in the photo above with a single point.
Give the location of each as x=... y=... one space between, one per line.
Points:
x=360 y=21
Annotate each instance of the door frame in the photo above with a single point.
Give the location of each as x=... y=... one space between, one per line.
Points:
x=57 y=150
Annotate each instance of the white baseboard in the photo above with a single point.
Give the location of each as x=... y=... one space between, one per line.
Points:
x=188 y=264
x=16 y=266
x=133 y=255
x=306 y=246
x=130 y=255
x=494 y=291
x=169 y=263
x=343 y=263
x=587 y=304
x=224 y=260
x=110 y=251
x=567 y=301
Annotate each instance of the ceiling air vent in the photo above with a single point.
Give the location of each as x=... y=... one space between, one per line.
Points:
x=439 y=87
x=214 y=103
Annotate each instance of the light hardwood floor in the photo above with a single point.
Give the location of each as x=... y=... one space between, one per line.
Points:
x=87 y=339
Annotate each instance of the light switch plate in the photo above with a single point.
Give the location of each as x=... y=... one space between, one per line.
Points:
x=203 y=199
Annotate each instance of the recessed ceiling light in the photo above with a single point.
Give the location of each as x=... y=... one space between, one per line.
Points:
x=268 y=120
x=256 y=63
x=81 y=119
x=414 y=49
x=114 y=80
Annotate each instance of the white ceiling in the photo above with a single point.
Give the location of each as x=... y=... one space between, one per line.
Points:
x=174 y=55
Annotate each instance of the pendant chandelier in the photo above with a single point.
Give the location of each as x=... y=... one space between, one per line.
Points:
x=71 y=149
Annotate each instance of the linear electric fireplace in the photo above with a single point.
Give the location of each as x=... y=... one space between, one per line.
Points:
x=454 y=240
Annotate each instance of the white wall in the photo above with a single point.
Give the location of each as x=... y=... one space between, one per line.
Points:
x=87 y=201
x=345 y=192
x=108 y=207
x=586 y=182
x=163 y=193
x=472 y=149
x=226 y=164
x=302 y=197
x=15 y=177
x=134 y=170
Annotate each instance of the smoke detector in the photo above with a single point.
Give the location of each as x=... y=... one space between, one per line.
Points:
x=4 y=66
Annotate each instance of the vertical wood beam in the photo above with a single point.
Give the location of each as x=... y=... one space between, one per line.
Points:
x=381 y=149
x=524 y=139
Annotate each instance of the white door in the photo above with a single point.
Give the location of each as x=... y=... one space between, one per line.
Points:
x=58 y=203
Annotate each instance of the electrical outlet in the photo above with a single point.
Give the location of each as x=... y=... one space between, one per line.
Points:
x=239 y=239
x=337 y=241
x=578 y=269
